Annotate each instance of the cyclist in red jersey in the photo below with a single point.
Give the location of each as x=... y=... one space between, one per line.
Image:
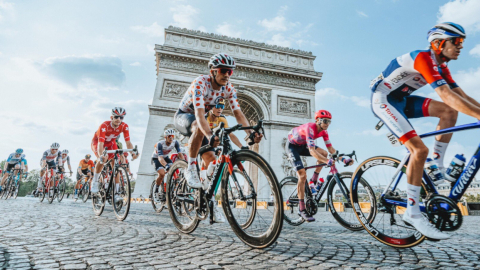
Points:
x=105 y=137
x=301 y=142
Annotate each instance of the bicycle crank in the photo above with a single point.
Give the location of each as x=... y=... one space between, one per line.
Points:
x=444 y=213
x=311 y=206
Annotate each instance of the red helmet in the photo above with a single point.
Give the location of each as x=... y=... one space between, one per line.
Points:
x=323 y=114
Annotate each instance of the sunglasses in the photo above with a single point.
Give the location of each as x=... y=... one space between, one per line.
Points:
x=225 y=71
x=456 y=40
x=220 y=106
x=326 y=121
x=170 y=136
x=116 y=117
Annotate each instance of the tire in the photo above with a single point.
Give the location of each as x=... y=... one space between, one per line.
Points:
x=157 y=206
x=247 y=160
x=251 y=204
x=8 y=188
x=15 y=191
x=123 y=196
x=85 y=192
x=98 y=200
x=347 y=218
x=61 y=190
x=183 y=215
x=288 y=186
x=377 y=171
x=41 y=194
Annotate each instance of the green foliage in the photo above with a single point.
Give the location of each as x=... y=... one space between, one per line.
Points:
x=472 y=198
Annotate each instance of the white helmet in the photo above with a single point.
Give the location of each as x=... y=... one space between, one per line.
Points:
x=445 y=30
x=55 y=145
x=65 y=151
x=169 y=132
x=118 y=111
x=221 y=60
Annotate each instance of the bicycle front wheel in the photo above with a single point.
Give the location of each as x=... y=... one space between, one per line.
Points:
x=387 y=225
x=85 y=192
x=121 y=194
x=99 y=199
x=260 y=188
x=61 y=190
x=290 y=201
x=8 y=188
x=50 y=191
x=15 y=191
x=157 y=204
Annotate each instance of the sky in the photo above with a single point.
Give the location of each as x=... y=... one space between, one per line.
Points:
x=65 y=64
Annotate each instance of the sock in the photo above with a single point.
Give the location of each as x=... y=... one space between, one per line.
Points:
x=191 y=163
x=439 y=149
x=314 y=177
x=301 y=205
x=413 y=207
x=117 y=187
x=76 y=191
x=156 y=188
x=95 y=177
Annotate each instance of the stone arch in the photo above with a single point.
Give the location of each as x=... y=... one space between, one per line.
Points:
x=252 y=106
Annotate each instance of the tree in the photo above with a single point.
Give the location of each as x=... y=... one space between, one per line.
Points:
x=29 y=184
x=2 y=164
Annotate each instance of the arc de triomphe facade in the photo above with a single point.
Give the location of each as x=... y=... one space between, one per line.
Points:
x=274 y=83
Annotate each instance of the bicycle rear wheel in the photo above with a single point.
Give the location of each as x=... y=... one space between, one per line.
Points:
x=121 y=195
x=289 y=190
x=261 y=188
x=341 y=207
x=61 y=190
x=387 y=226
x=181 y=198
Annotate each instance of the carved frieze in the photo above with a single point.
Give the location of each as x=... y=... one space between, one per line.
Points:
x=174 y=89
x=293 y=107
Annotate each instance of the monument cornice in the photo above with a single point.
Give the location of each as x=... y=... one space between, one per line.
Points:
x=161 y=110
x=239 y=41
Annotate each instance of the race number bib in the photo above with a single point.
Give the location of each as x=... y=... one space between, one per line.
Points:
x=393 y=140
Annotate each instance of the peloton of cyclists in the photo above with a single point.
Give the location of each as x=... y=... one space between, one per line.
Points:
x=15 y=161
x=201 y=96
x=162 y=162
x=105 y=137
x=301 y=142
x=393 y=103
x=85 y=168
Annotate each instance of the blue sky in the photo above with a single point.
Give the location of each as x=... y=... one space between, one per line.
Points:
x=64 y=64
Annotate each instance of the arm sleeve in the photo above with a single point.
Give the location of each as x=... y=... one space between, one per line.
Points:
x=126 y=133
x=101 y=133
x=44 y=155
x=197 y=92
x=448 y=77
x=177 y=146
x=232 y=97
x=326 y=139
x=159 y=149
x=309 y=137
x=424 y=64
x=59 y=159
x=9 y=158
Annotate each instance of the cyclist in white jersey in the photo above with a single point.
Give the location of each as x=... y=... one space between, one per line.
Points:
x=161 y=161
x=15 y=161
x=201 y=96
x=49 y=161
x=65 y=160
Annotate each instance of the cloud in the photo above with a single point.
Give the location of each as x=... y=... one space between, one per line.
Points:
x=334 y=93
x=153 y=30
x=469 y=82
x=96 y=70
x=278 y=23
x=475 y=51
x=6 y=10
x=362 y=14
x=135 y=64
x=186 y=16
x=463 y=12
x=280 y=40
x=227 y=30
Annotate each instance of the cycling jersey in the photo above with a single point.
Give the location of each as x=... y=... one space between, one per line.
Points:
x=50 y=157
x=65 y=160
x=200 y=94
x=107 y=134
x=214 y=122
x=86 y=165
x=306 y=134
x=13 y=159
x=411 y=71
x=162 y=149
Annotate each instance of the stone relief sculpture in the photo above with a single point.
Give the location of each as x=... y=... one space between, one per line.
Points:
x=290 y=106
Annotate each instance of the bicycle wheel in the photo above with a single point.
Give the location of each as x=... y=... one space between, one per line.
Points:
x=121 y=195
x=15 y=191
x=61 y=190
x=261 y=185
x=387 y=226
x=341 y=207
x=8 y=188
x=181 y=198
x=41 y=191
x=98 y=200
x=157 y=205
x=247 y=213
x=288 y=186
x=85 y=192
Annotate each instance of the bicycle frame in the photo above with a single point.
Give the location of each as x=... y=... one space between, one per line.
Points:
x=461 y=185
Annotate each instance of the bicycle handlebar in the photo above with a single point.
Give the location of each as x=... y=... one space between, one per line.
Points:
x=120 y=151
x=220 y=130
x=337 y=155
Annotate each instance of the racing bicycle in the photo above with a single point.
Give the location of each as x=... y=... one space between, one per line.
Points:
x=84 y=190
x=12 y=184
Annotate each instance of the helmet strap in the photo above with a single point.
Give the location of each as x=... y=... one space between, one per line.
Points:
x=438 y=50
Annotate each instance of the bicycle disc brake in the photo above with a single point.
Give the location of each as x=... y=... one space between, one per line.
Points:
x=201 y=204
x=444 y=213
x=311 y=206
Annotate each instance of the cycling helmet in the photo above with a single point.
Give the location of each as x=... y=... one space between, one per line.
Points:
x=87 y=156
x=19 y=151
x=446 y=30
x=323 y=114
x=65 y=151
x=118 y=111
x=221 y=60
x=169 y=132
x=55 y=145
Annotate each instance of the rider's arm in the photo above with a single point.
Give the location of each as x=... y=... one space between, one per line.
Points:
x=100 y=148
x=162 y=160
x=79 y=169
x=202 y=122
x=460 y=91
x=59 y=159
x=457 y=102
x=235 y=140
x=314 y=153
x=331 y=150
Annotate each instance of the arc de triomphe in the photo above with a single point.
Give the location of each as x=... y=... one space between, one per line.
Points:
x=274 y=83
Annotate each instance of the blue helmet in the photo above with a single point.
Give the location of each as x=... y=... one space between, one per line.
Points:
x=19 y=151
x=446 y=30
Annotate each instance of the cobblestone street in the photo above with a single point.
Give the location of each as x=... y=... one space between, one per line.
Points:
x=68 y=235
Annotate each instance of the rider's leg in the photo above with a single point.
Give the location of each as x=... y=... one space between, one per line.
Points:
x=418 y=155
x=195 y=143
x=160 y=177
x=318 y=169
x=302 y=177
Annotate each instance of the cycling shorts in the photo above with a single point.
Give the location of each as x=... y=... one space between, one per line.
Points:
x=84 y=172
x=394 y=111
x=10 y=167
x=52 y=165
x=109 y=146
x=183 y=123
x=156 y=163
x=294 y=152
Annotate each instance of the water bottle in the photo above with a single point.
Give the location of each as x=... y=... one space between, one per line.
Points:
x=319 y=184
x=312 y=186
x=211 y=168
x=433 y=171
x=455 y=168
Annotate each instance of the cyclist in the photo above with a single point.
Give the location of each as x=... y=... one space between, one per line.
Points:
x=215 y=117
x=65 y=159
x=15 y=161
x=201 y=96
x=85 y=168
x=105 y=137
x=301 y=142
x=49 y=161
x=161 y=161
x=393 y=103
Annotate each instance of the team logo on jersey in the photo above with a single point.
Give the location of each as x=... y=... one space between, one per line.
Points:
x=441 y=82
x=416 y=79
x=103 y=129
x=126 y=128
x=435 y=68
x=387 y=85
x=198 y=93
x=411 y=201
x=383 y=106
x=436 y=155
x=405 y=89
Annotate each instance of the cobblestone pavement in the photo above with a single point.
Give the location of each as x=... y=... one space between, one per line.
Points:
x=67 y=235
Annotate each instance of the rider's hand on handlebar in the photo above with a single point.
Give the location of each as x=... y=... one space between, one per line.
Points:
x=347 y=161
x=216 y=141
x=134 y=155
x=258 y=137
x=330 y=162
